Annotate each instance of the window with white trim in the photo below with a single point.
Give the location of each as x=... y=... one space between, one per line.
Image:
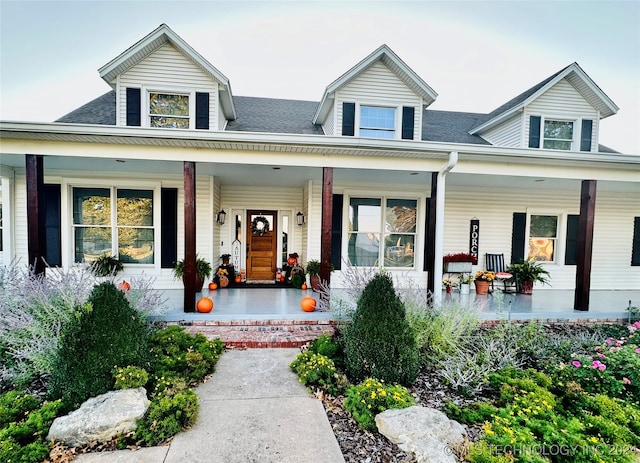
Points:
x=382 y=232
x=377 y=122
x=543 y=237
x=113 y=221
x=558 y=135
x=169 y=110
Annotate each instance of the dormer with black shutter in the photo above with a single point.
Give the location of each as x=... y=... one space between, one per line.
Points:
x=162 y=82
x=380 y=97
x=562 y=112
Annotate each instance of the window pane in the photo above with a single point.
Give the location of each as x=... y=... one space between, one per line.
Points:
x=364 y=249
x=91 y=242
x=135 y=208
x=135 y=245
x=364 y=214
x=91 y=206
x=169 y=122
x=285 y=238
x=543 y=226
x=561 y=130
x=542 y=249
x=170 y=105
x=400 y=216
x=379 y=118
x=398 y=250
x=557 y=145
x=377 y=134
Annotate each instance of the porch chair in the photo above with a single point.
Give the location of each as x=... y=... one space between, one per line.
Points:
x=495 y=263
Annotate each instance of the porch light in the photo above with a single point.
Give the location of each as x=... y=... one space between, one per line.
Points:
x=220 y=217
x=300 y=219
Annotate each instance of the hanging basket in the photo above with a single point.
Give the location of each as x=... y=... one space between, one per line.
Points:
x=259 y=225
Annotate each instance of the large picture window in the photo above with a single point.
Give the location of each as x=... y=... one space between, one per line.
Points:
x=382 y=232
x=543 y=237
x=169 y=110
x=115 y=222
x=558 y=135
x=377 y=122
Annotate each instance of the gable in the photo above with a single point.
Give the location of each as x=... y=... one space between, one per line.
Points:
x=562 y=100
x=379 y=85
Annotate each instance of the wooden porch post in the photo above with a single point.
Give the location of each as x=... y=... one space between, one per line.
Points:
x=327 y=215
x=430 y=243
x=189 y=278
x=585 y=244
x=36 y=239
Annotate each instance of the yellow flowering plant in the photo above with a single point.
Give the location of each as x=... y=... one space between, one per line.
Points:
x=449 y=283
x=371 y=397
x=485 y=275
x=316 y=370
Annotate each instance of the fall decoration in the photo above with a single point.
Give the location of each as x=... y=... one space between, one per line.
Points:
x=204 y=305
x=124 y=286
x=213 y=286
x=260 y=225
x=308 y=304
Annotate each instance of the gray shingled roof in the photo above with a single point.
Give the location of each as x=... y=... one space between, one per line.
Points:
x=101 y=111
x=451 y=126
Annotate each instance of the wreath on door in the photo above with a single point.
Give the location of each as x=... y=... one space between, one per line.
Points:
x=259 y=225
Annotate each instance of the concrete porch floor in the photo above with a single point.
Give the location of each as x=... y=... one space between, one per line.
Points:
x=235 y=304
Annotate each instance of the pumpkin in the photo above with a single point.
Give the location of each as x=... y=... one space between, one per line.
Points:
x=213 y=286
x=224 y=281
x=282 y=279
x=204 y=305
x=292 y=261
x=308 y=304
x=124 y=286
x=304 y=286
x=238 y=280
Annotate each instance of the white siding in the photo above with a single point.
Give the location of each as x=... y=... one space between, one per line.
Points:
x=379 y=86
x=167 y=69
x=562 y=101
x=509 y=133
x=329 y=124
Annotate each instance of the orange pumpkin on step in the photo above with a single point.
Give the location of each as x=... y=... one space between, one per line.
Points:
x=304 y=286
x=204 y=305
x=238 y=280
x=308 y=304
x=213 y=286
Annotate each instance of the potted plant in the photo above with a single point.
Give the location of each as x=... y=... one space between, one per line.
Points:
x=482 y=280
x=106 y=265
x=527 y=273
x=448 y=284
x=203 y=271
x=465 y=280
x=459 y=262
x=313 y=269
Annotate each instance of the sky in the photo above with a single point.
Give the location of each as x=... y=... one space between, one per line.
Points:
x=475 y=54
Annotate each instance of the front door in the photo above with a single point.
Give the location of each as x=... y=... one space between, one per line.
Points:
x=262 y=245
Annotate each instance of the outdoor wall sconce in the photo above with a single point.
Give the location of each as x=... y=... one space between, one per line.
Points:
x=300 y=219
x=220 y=217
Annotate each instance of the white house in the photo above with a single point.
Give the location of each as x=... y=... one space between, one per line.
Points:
x=379 y=178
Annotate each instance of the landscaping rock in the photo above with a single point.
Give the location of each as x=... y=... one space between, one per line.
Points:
x=101 y=418
x=426 y=432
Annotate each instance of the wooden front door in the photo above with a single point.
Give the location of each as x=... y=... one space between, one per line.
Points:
x=261 y=246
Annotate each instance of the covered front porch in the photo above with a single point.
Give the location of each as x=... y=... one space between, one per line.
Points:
x=266 y=304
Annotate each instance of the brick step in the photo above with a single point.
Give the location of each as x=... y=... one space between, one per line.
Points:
x=263 y=333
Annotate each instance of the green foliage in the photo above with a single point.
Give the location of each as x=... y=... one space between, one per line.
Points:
x=175 y=352
x=327 y=346
x=379 y=342
x=130 y=377
x=371 y=397
x=317 y=370
x=109 y=333
x=477 y=412
x=297 y=280
x=106 y=265
x=530 y=270
x=171 y=411
x=24 y=427
x=203 y=268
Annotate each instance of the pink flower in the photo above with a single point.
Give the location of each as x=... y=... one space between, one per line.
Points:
x=597 y=348
x=638 y=350
x=626 y=380
x=599 y=365
x=576 y=363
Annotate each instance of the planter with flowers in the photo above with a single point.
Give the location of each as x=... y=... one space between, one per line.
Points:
x=527 y=273
x=459 y=262
x=465 y=283
x=482 y=280
x=448 y=284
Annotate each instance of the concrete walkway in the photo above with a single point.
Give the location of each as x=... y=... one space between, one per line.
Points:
x=253 y=409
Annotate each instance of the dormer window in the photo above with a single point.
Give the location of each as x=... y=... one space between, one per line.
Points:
x=558 y=135
x=169 y=110
x=377 y=122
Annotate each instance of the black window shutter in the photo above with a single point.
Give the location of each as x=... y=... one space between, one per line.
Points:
x=169 y=227
x=133 y=107
x=336 y=232
x=585 y=135
x=635 y=252
x=571 y=243
x=408 y=115
x=202 y=111
x=518 y=232
x=52 y=225
x=534 y=131
x=348 y=119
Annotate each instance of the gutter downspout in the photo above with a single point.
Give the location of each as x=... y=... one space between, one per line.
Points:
x=439 y=238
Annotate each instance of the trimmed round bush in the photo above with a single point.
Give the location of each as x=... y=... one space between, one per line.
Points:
x=379 y=343
x=107 y=333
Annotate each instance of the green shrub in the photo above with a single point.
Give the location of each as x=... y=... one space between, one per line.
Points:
x=175 y=352
x=108 y=333
x=130 y=377
x=329 y=346
x=23 y=436
x=317 y=370
x=371 y=397
x=171 y=411
x=379 y=342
